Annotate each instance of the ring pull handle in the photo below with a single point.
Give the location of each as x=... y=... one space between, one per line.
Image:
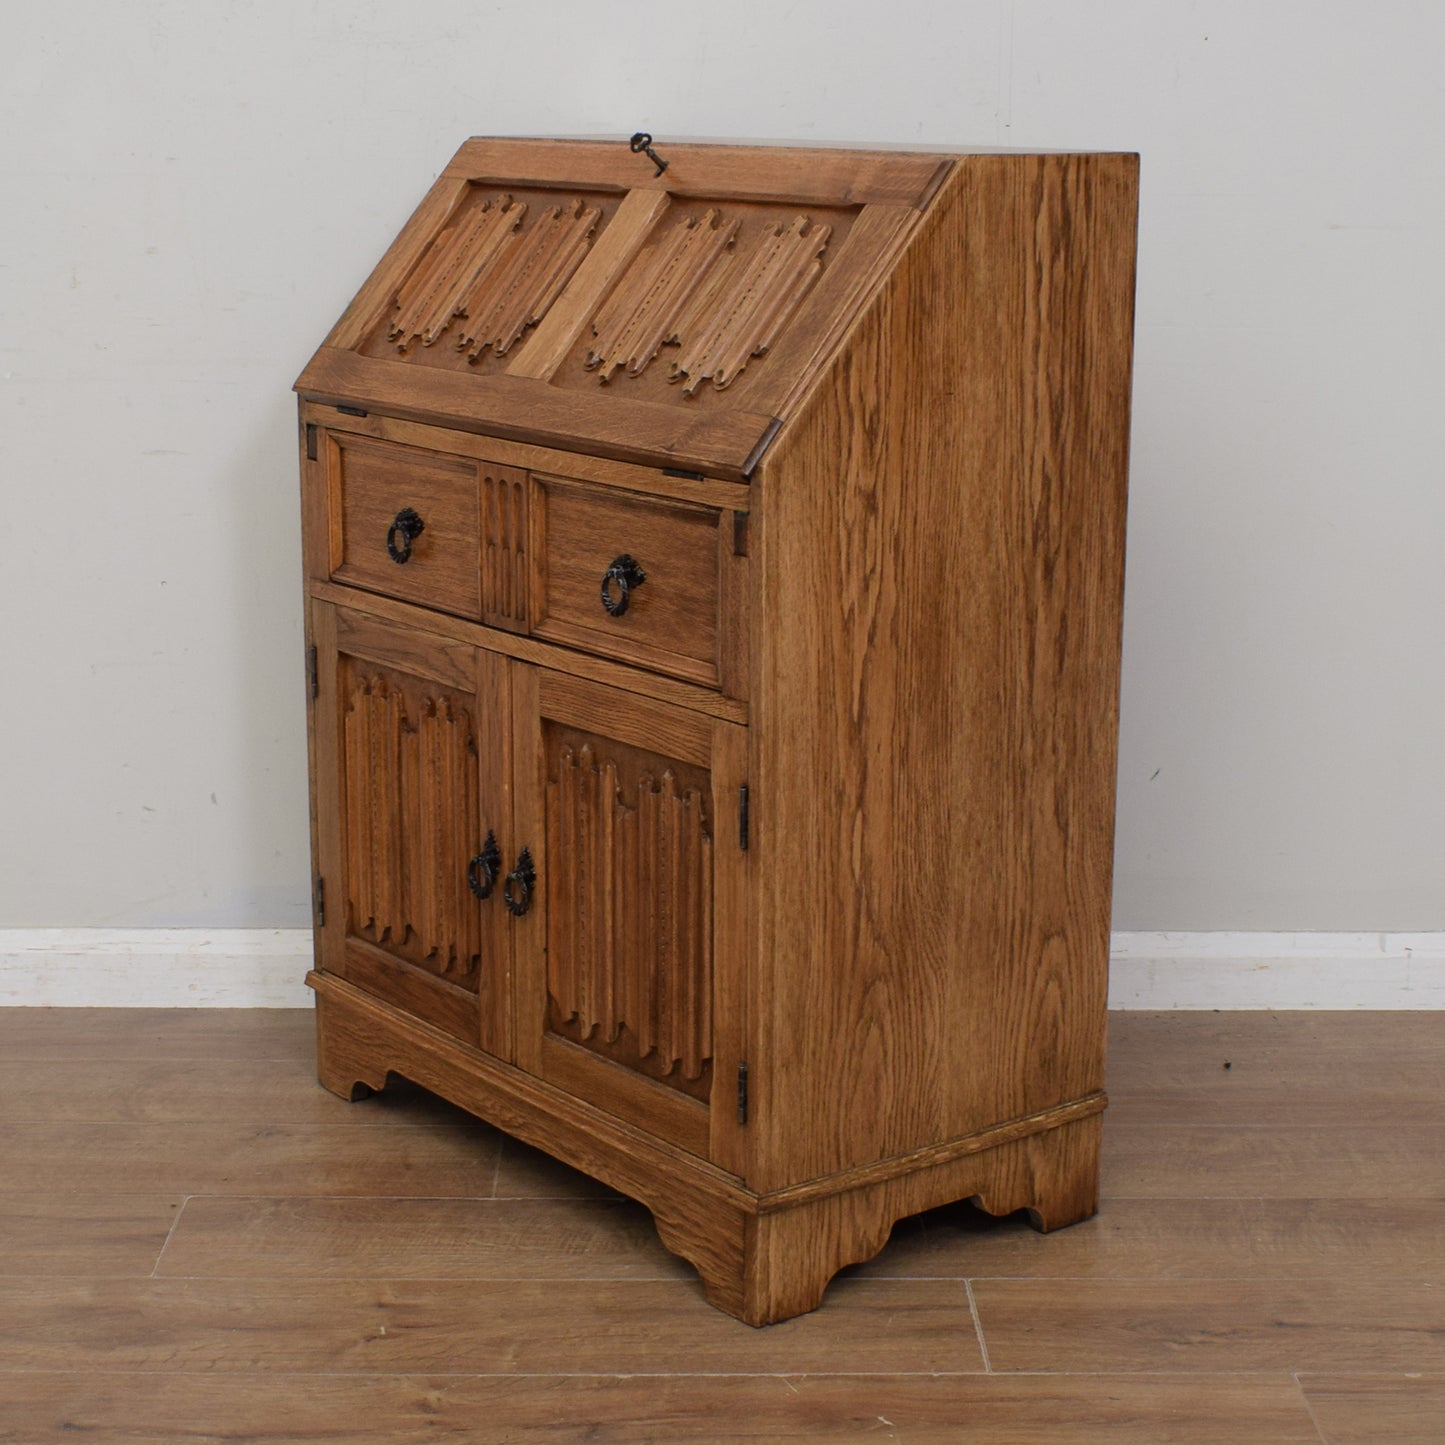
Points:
x=410 y=526
x=483 y=869
x=517 y=889
x=617 y=583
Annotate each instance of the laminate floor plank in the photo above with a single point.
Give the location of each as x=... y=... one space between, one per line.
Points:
x=1302 y=1047
x=469 y=1326
x=1335 y=1069
x=1255 y=1107
x=1355 y=1239
x=196 y=1091
x=197 y=1243
x=220 y=1158
x=418 y=1238
x=1181 y=1161
x=772 y=1409
x=83 y=1234
x=1216 y=1325
x=213 y=1034
x=1363 y=1409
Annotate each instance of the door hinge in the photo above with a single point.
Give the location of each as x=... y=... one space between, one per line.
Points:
x=320 y=902
x=743 y=817
x=350 y=410
x=313 y=672
x=740 y=534
x=742 y=1093
x=310 y=441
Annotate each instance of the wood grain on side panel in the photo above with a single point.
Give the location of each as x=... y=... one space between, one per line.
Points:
x=935 y=695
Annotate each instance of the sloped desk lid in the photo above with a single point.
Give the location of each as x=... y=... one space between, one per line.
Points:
x=564 y=293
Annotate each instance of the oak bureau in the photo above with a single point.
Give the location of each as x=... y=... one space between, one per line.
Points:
x=714 y=569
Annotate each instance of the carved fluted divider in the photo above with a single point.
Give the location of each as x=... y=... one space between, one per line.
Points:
x=504 y=544
x=630 y=915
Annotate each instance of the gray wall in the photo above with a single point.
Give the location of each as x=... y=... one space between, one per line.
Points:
x=193 y=191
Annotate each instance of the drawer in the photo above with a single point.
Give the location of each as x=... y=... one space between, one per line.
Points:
x=634 y=577
x=405 y=522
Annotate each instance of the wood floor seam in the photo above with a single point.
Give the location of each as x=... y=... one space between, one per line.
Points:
x=977 y=1326
x=170 y=1235
x=1309 y=1408
x=1242 y=1277
x=205 y=1370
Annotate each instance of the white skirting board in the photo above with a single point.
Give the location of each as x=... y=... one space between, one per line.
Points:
x=1277 y=971
x=155 y=967
x=264 y=968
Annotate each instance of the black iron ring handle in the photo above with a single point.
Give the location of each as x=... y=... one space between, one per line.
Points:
x=411 y=527
x=624 y=574
x=483 y=869
x=517 y=890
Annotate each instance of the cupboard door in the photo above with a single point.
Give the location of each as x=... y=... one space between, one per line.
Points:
x=413 y=780
x=630 y=992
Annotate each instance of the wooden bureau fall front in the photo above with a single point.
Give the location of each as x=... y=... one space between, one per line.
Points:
x=714 y=590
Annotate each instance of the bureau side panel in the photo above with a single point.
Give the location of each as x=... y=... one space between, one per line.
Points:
x=940 y=550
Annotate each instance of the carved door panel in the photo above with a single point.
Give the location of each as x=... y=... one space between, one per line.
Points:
x=413 y=798
x=629 y=991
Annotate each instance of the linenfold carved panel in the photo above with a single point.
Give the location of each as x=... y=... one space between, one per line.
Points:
x=409 y=759
x=630 y=917
x=488 y=277
x=718 y=300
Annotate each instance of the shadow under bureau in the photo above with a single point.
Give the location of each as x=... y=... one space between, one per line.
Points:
x=714 y=577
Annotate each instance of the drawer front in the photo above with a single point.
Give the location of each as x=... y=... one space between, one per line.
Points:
x=405 y=522
x=628 y=576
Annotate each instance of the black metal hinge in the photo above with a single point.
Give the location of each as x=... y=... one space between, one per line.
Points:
x=743 y=817
x=742 y=1093
x=313 y=672
x=310 y=441
x=740 y=534
x=320 y=902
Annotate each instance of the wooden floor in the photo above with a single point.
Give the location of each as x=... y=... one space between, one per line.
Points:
x=198 y=1244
